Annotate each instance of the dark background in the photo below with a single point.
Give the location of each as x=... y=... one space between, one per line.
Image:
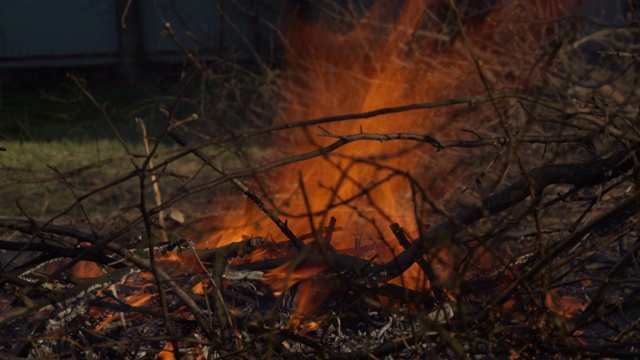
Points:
x=131 y=63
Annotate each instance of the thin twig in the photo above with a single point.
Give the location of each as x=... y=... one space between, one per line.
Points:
x=154 y=180
x=245 y=190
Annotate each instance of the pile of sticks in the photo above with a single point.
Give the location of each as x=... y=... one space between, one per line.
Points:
x=47 y=310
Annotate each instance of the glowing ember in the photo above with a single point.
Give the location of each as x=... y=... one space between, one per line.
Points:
x=566 y=306
x=202 y=287
x=86 y=269
x=133 y=300
x=167 y=352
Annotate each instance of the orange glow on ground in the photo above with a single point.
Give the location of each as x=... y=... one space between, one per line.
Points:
x=199 y=288
x=167 y=352
x=565 y=306
x=133 y=300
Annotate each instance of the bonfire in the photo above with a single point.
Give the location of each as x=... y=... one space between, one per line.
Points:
x=434 y=183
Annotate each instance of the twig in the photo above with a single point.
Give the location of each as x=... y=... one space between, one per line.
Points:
x=436 y=286
x=154 y=180
x=73 y=192
x=597 y=304
x=328 y=233
x=124 y=14
x=187 y=54
x=440 y=145
x=622 y=54
x=245 y=190
x=103 y=112
x=580 y=175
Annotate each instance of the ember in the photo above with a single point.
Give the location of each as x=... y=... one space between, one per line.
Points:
x=369 y=229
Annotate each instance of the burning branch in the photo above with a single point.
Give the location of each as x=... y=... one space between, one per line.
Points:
x=219 y=257
x=245 y=190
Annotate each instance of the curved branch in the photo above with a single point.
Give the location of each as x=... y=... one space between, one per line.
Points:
x=579 y=175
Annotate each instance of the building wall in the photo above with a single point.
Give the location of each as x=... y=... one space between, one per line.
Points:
x=38 y=33
x=51 y=33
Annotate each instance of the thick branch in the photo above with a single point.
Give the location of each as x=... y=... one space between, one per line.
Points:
x=579 y=175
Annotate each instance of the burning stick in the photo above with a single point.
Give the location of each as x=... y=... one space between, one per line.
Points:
x=245 y=190
x=436 y=286
x=219 y=257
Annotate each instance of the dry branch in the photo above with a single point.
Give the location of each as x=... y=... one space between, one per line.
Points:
x=444 y=144
x=579 y=175
x=219 y=257
x=424 y=264
x=245 y=190
x=65 y=300
x=584 y=174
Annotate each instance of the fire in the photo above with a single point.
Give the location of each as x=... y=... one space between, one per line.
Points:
x=395 y=54
x=285 y=276
x=201 y=287
x=167 y=352
x=566 y=306
x=313 y=288
x=87 y=269
x=133 y=300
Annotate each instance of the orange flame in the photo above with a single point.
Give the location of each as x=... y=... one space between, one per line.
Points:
x=312 y=290
x=565 y=306
x=201 y=287
x=283 y=277
x=167 y=352
x=86 y=269
x=133 y=300
x=397 y=53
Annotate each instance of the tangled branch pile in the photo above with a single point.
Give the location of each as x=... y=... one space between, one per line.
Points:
x=516 y=238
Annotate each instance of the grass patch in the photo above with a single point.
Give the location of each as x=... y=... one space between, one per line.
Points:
x=60 y=148
x=34 y=173
x=65 y=154
x=45 y=178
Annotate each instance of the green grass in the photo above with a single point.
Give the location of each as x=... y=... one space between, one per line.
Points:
x=56 y=130
x=35 y=156
x=44 y=178
x=31 y=174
